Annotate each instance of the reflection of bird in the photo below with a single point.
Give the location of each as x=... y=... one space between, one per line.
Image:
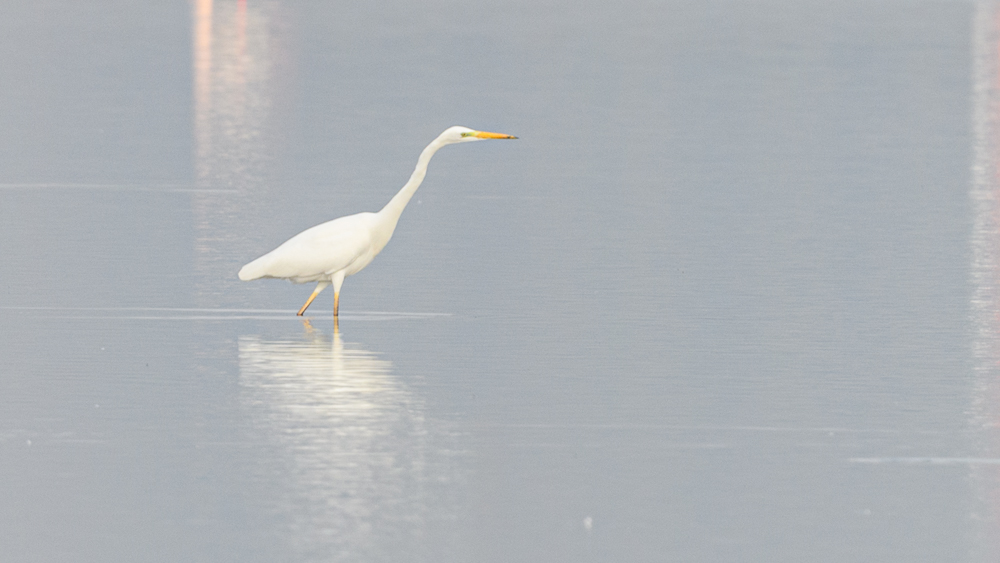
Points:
x=329 y=252
x=351 y=449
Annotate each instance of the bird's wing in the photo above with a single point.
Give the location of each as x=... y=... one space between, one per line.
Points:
x=317 y=251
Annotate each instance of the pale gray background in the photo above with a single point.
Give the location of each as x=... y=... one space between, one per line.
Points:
x=716 y=304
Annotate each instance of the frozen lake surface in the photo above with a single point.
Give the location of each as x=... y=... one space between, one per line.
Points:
x=732 y=295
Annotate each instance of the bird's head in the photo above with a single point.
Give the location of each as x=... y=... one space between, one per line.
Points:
x=459 y=134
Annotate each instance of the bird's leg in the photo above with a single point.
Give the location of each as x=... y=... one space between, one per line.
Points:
x=338 y=281
x=319 y=287
x=336 y=306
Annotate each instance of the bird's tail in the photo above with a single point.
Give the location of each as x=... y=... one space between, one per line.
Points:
x=254 y=270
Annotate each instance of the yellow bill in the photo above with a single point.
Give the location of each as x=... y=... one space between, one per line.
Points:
x=488 y=135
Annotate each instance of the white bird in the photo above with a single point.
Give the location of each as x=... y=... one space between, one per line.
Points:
x=331 y=251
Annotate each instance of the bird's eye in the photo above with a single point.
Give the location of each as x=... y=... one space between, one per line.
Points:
x=468 y=133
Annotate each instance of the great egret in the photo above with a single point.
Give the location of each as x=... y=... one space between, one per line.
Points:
x=329 y=252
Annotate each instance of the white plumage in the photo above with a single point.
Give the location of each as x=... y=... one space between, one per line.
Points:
x=331 y=251
x=317 y=252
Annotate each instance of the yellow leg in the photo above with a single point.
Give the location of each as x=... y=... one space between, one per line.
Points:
x=336 y=309
x=306 y=306
x=337 y=279
x=319 y=287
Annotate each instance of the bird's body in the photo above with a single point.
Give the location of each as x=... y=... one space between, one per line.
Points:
x=346 y=244
x=331 y=251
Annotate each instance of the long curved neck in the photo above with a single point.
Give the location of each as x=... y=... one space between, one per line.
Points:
x=397 y=204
